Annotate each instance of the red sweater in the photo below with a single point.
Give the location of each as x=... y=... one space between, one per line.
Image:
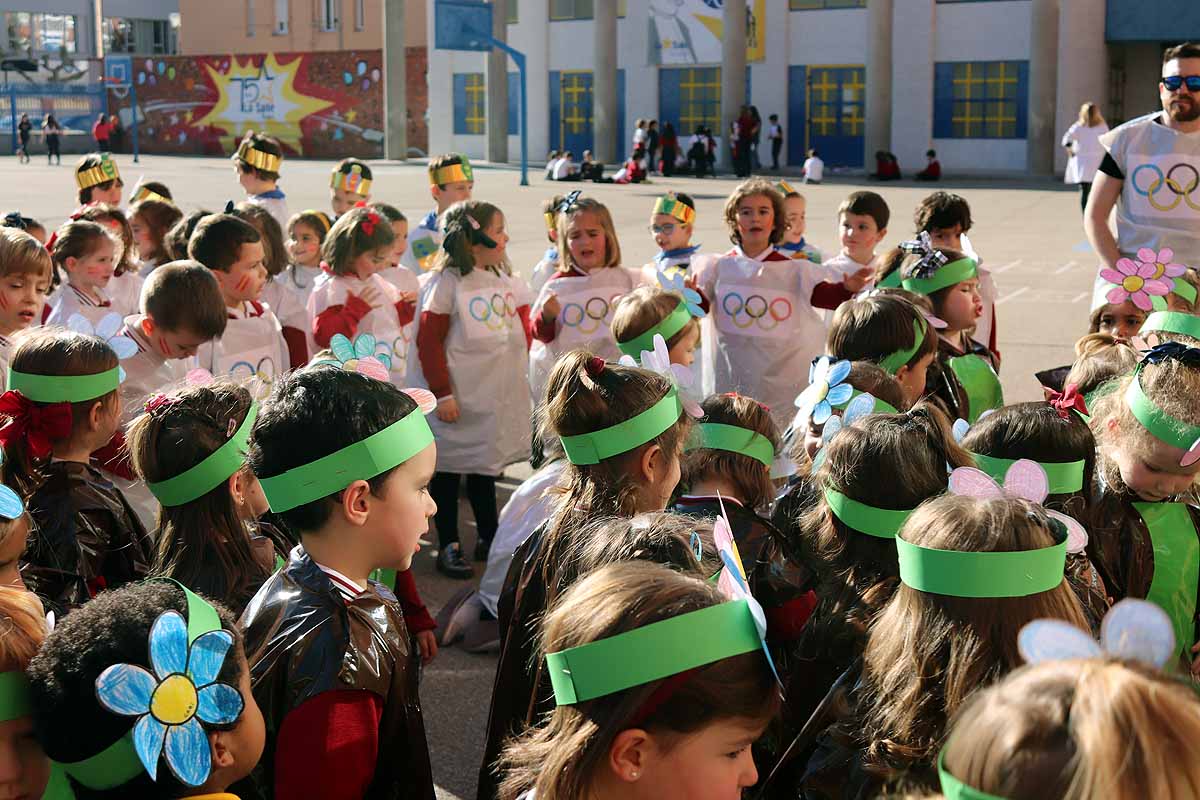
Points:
x=344 y=318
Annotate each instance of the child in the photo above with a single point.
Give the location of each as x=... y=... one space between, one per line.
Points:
x=306 y=233
x=574 y=308
x=1099 y=358
x=889 y=331
x=1056 y=436
x=795 y=208
x=940 y=637
x=933 y=168
x=150 y=220
x=25 y=275
x=126 y=285
x=356 y=300
x=1055 y=729
x=257 y=163
x=862 y=223
x=647 y=312
x=775 y=134
x=63 y=405
x=405 y=281
x=349 y=183
x=104 y=668
x=451 y=180
x=15 y=219
x=1144 y=535
x=814 y=167
x=189 y=448
x=292 y=315
x=549 y=263
x=150 y=190
x=764 y=331
x=329 y=650
x=26 y=771
x=473 y=348
x=963 y=375
x=180 y=234
x=638 y=735
x=946 y=217
x=98 y=179
x=672 y=222
x=252 y=346
x=612 y=472
x=84 y=252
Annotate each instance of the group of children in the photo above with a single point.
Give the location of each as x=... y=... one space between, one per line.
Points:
x=784 y=530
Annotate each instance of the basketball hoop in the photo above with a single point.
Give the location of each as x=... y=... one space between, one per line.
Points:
x=118 y=87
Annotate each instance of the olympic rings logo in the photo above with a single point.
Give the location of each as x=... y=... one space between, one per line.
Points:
x=497 y=313
x=1169 y=180
x=264 y=371
x=756 y=310
x=588 y=317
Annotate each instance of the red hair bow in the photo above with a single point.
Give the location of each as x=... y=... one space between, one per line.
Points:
x=369 y=222
x=39 y=426
x=1066 y=402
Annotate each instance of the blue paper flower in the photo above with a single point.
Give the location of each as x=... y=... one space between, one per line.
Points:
x=365 y=355
x=825 y=389
x=859 y=407
x=11 y=506
x=677 y=283
x=175 y=699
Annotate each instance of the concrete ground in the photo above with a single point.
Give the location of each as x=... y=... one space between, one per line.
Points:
x=1029 y=233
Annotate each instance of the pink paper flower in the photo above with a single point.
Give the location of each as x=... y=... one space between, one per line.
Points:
x=1135 y=283
x=1162 y=262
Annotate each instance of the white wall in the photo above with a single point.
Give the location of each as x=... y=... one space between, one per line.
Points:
x=530 y=36
x=992 y=31
x=973 y=156
x=913 y=40
x=835 y=36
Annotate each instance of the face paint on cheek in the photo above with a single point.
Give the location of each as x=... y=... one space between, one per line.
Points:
x=3 y=301
x=163 y=347
x=242 y=284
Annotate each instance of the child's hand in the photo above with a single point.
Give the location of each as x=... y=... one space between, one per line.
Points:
x=447 y=410
x=857 y=281
x=427 y=644
x=551 y=308
x=408 y=297
x=370 y=296
x=692 y=282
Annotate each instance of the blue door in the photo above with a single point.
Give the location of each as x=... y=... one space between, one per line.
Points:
x=571 y=112
x=834 y=105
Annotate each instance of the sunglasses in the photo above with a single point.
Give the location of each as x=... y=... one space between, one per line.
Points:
x=665 y=230
x=1174 y=82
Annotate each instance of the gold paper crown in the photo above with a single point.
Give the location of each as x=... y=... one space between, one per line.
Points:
x=259 y=159
x=103 y=172
x=786 y=188
x=551 y=220
x=352 y=181
x=669 y=204
x=452 y=173
x=321 y=216
x=142 y=193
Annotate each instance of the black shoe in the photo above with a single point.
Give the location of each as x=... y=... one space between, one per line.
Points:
x=450 y=563
x=482 y=548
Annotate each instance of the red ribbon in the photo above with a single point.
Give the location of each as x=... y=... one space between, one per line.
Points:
x=369 y=222
x=595 y=367
x=38 y=425
x=1066 y=402
x=328 y=270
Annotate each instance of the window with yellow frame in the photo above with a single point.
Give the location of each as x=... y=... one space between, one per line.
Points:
x=470 y=103
x=981 y=99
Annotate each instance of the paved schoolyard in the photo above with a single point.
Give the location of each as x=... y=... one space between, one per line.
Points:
x=1028 y=232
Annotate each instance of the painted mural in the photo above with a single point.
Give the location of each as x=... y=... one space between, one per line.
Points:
x=690 y=31
x=319 y=105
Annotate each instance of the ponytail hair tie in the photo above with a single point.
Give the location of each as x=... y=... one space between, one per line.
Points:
x=595 y=367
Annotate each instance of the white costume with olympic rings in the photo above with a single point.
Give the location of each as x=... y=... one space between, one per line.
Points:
x=1160 y=197
x=762 y=332
x=251 y=347
x=383 y=322
x=486 y=354
x=585 y=320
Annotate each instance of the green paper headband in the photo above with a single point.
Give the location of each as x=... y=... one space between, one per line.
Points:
x=954 y=789
x=14 y=696
x=362 y=460
x=716 y=436
x=118 y=763
x=964 y=269
x=1065 y=476
x=882 y=523
x=215 y=469
x=1160 y=424
x=959 y=573
x=652 y=652
x=594 y=447
x=64 y=388
x=901 y=357
x=672 y=324
x=1172 y=322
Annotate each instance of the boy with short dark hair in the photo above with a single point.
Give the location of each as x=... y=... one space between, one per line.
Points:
x=862 y=223
x=257 y=161
x=451 y=179
x=98 y=179
x=252 y=345
x=331 y=657
x=350 y=183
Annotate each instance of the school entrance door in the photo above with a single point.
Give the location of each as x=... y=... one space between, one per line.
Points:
x=571 y=112
x=825 y=111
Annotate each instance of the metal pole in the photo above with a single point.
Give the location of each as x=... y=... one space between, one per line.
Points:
x=133 y=112
x=395 y=82
x=519 y=59
x=497 y=87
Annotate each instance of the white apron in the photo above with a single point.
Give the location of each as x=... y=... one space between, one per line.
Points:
x=66 y=301
x=485 y=351
x=585 y=321
x=287 y=295
x=383 y=322
x=251 y=350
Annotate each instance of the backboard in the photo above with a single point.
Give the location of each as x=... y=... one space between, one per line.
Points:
x=118 y=71
x=463 y=25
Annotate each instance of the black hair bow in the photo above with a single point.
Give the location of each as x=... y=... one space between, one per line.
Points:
x=932 y=259
x=1176 y=351
x=569 y=202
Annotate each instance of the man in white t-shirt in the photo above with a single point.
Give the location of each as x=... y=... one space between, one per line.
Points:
x=565 y=168
x=814 y=167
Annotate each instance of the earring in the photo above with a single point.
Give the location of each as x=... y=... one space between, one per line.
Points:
x=633 y=776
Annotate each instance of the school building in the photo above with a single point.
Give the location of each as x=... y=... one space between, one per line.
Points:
x=991 y=85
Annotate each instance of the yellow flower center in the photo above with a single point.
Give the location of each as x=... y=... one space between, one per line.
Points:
x=1133 y=283
x=823 y=391
x=174 y=701
x=350 y=365
x=1159 y=269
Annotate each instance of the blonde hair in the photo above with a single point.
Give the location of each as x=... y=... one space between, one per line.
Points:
x=561 y=759
x=21 y=254
x=587 y=205
x=23 y=628
x=642 y=309
x=1176 y=301
x=1099 y=358
x=1090 y=116
x=1073 y=730
x=926 y=653
x=752 y=188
